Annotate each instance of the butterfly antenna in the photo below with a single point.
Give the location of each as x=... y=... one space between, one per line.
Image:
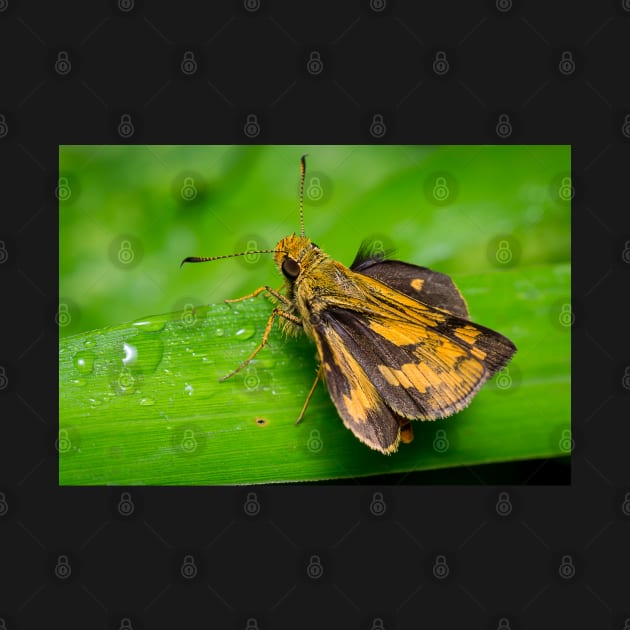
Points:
x=302 y=175
x=199 y=259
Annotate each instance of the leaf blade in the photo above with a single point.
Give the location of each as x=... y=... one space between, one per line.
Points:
x=151 y=410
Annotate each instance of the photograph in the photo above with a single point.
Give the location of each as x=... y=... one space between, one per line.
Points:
x=278 y=314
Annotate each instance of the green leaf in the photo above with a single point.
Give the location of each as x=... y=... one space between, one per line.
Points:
x=141 y=403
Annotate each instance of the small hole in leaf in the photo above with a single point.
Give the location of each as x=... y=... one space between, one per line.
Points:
x=261 y=422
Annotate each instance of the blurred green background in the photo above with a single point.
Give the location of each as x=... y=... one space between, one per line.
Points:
x=129 y=214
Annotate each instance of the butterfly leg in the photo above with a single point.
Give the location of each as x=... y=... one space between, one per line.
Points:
x=277 y=312
x=308 y=398
x=258 y=291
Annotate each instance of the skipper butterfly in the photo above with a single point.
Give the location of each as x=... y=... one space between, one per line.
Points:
x=394 y=340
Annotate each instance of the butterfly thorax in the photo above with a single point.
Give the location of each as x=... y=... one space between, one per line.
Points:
x=304 y=266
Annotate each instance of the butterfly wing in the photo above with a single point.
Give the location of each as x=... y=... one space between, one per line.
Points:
x=388 y=357
x=359 y=404
x=419 y=283
x=421 y=371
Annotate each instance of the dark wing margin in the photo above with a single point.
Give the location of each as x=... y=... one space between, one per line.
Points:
x=419 y=283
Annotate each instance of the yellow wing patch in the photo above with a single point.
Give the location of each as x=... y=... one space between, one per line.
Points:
x=467 y=333
x=409 y=376
x=361 y=395
x=404 y=333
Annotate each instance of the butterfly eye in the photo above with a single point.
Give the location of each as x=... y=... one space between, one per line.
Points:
x=290 y=268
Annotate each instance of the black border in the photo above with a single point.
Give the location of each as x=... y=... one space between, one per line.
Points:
x=505 y=60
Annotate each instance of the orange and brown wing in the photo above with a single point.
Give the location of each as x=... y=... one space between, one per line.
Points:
x=388 y=357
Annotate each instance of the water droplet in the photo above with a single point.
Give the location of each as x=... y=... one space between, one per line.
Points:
x=95 y=402
x=147 y=402
x=131 y=354
x=143 y=353
x=189 y=389
x=89 y=343
x=219 y=308
x=151 y=324
x=84 y=361
x=219 y=332
x=79 y=382
x=244 y=333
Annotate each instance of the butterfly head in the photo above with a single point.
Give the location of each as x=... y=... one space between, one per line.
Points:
x=291 y=254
